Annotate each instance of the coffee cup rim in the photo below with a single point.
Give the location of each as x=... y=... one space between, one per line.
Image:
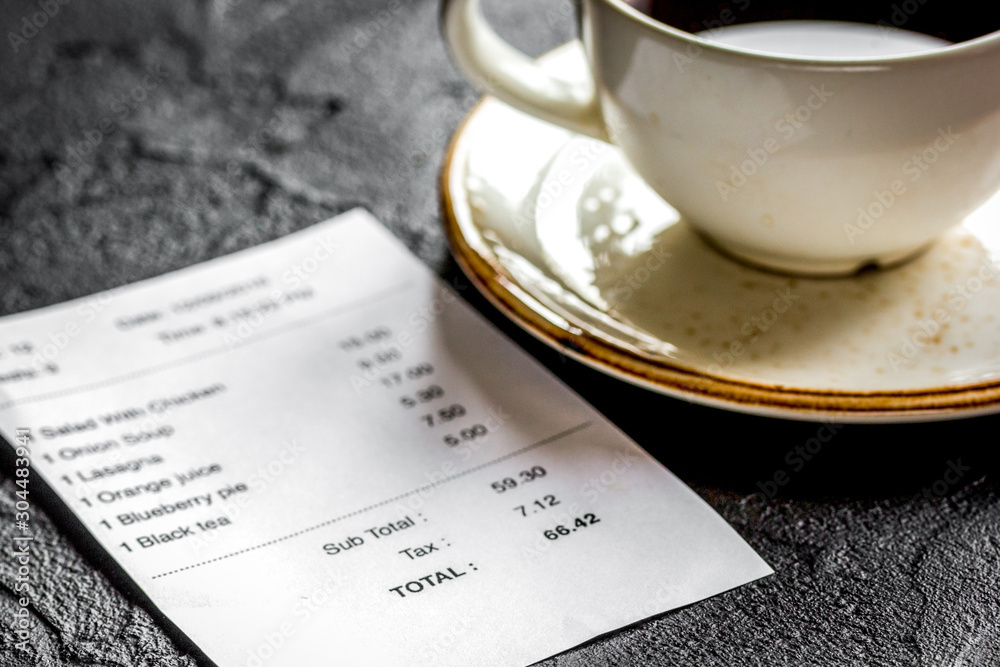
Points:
x=950 y=50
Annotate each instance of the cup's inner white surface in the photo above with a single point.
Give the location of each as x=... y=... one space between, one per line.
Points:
x=823 y=39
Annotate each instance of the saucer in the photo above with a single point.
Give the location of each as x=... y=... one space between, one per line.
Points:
x=559 y=233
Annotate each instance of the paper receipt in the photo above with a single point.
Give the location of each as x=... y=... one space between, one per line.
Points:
x=315 y=452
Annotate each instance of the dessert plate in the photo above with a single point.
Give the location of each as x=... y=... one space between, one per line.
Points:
x=564 y=238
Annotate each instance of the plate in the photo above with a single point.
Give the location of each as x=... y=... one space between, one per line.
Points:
x=559 y=233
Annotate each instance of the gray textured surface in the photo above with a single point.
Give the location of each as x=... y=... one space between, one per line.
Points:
x=272 y=115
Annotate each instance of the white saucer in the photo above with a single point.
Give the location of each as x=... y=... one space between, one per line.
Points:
x=558 y=232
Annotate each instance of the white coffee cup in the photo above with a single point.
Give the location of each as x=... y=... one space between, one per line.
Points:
x=800 y=163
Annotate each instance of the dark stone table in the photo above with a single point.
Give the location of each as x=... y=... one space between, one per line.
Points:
x=141 y=137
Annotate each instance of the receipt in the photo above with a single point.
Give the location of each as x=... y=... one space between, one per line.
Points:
x=315 y=452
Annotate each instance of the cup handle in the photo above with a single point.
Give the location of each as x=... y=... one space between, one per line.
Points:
x=497 y=68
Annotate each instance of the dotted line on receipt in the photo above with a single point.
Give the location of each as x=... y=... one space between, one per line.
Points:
x=549 y=440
